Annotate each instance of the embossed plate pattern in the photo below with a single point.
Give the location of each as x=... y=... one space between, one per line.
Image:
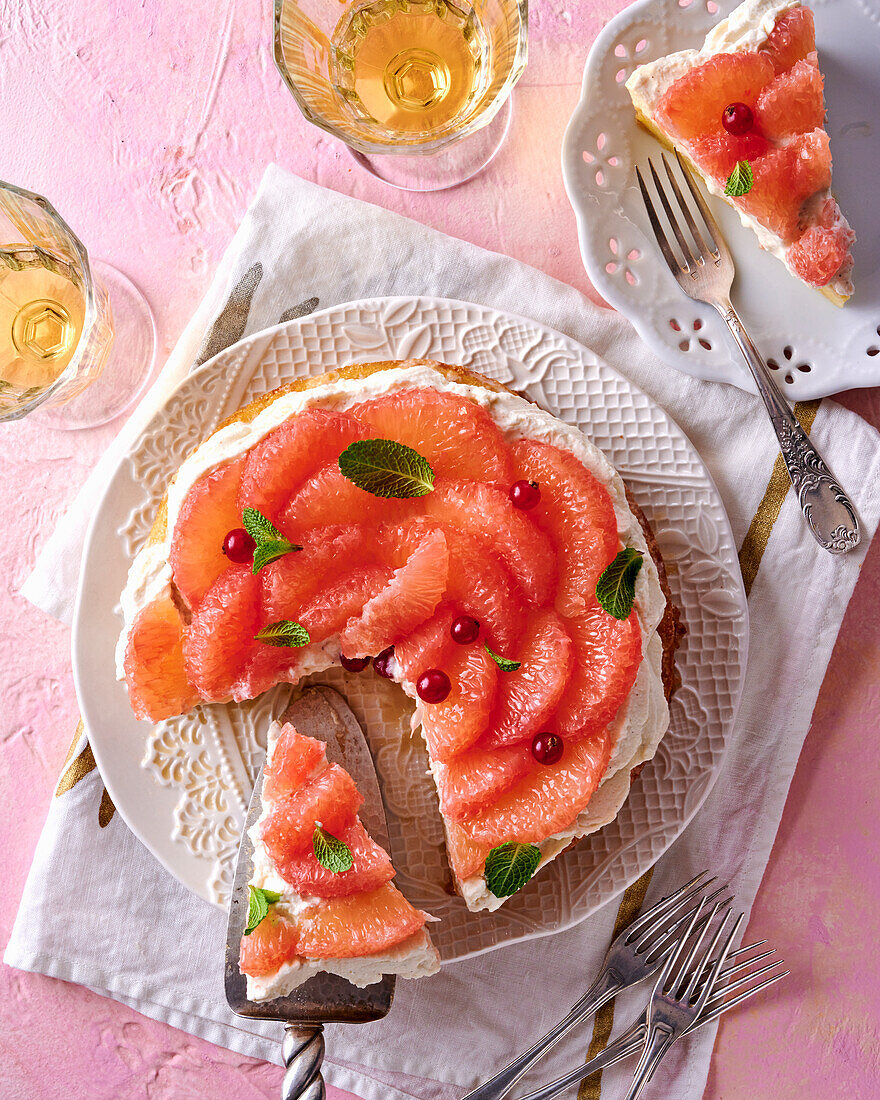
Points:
x=815 y=348
x=183 y=786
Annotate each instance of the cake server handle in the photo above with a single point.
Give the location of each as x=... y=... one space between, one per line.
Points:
x=303 y=1053
x=830 y=514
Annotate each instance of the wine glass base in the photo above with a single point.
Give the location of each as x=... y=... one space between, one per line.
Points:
x=129 y=367
x=456 y=164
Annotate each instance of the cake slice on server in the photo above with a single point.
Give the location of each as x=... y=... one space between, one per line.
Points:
x=747 y=111
x=322 y=899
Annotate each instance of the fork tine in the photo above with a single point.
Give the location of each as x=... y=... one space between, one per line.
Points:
x=664 y=942
x=715 y=1012
x=674 y=266
x=668 y=905
x=711 y=224
x=690 y=261
x=719 y=962
x=670 y=964
x=690 y=966
x=721 y=996
x=686 y=210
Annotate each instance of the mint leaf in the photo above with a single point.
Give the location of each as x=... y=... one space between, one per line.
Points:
x=330 y=851
x=258 y=906
x=510 y=866
x=503 y=663
x=271 y=544
x=740 y=180
x=386 y=468
x=284 y=632
x=616 y=588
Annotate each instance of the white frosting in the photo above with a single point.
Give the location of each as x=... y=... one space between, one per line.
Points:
x=414 y=957
x=746 y=28
x=642 y=720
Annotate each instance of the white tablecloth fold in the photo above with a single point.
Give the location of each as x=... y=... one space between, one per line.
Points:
x=99 y=910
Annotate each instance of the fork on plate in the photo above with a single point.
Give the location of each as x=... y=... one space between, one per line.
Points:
x=636 y=953
x=704 y=270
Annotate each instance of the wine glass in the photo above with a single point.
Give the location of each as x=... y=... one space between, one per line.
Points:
x=419 y=90
x=56 y=324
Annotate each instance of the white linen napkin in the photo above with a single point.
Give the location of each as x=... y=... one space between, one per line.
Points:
x=99 y=910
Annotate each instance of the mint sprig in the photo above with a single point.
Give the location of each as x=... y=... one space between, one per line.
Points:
x=616 y=588
x=503 y=663
x=740 y=180
x=271 y=544
x=331 y=852
x=386 y=468
x=258 y=906
x=284 y=632
x=510 y=866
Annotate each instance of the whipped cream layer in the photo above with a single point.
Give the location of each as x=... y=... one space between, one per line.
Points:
x=746 y=28
x=414 y=957
x=641 y=721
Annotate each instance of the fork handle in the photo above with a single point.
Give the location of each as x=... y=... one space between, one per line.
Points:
x=660 y=1039
x=830 y=514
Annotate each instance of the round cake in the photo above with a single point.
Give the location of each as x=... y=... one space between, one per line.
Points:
x=476 y=549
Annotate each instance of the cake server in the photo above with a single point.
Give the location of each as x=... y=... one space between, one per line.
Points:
x=321 y=713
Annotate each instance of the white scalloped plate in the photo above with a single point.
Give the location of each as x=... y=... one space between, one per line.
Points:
x=183 y=785
x=817 y=348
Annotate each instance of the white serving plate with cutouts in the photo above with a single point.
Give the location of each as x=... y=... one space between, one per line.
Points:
x=183 y=786
x=813 y=347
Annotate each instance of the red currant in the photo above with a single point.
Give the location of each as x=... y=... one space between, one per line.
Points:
x=547 y=748
x=737 y=119
x=465 y=629
x=380 y=662
x=353 y=664
x=239 y=547
x=433 y=686
x=524 y=494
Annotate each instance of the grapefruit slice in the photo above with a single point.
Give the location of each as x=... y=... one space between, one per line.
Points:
x=793 y=38
x=694 y=104
x=466 y=857
x=410 y=596
x=547 y=800
x=208 y=513
x=158 y=686
x=295 y=760
x=291 y=581
x=455 y=724
x=330 y=799
x=607 y=654
x=428 y=646
x=370 y=870
x=792 y=103
x=362 y=924
x=334 y=605
x=576 y=512
x=527 y=697
x=457 y=437
x=271 y=944
x=330 y=498
x=283 y=459
x=479 y=584
x=484 y=513
x=220 y=638
x=477 y=777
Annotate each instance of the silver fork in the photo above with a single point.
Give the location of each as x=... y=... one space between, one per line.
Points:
x=635 y=954
x=681 y=992
x=704 y=270
x=736 y=983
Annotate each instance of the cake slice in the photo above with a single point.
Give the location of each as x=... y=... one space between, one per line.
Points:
x=352 y=922
x=747 y=111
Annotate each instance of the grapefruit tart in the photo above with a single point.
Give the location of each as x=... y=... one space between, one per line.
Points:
x=472 y=547
x=747 y=111
x=321 y=896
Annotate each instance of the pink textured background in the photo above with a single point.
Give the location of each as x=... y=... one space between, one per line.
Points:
x=149 y=127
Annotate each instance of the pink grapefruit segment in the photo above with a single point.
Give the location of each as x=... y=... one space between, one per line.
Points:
x=477 y=777
x=692 y=107
x=370 y=870
x=271 y=944
x=330 y=799
x=208 y=513
x=295 y=760
x=219 y=640
x=455 y=724
x=158 y=686
x=793 y=38
x=330 y=498
x=362 y=924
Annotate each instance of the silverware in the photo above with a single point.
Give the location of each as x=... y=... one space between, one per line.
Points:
x=322 y=713
x=738 y=979
x=637 y=953
x=682 y=990
x=705 y=273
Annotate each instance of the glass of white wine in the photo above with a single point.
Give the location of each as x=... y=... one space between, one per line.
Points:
x=419 y=90
x=56 y=325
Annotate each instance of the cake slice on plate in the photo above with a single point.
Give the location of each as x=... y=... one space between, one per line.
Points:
x=747 y=111
x=321 y=885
